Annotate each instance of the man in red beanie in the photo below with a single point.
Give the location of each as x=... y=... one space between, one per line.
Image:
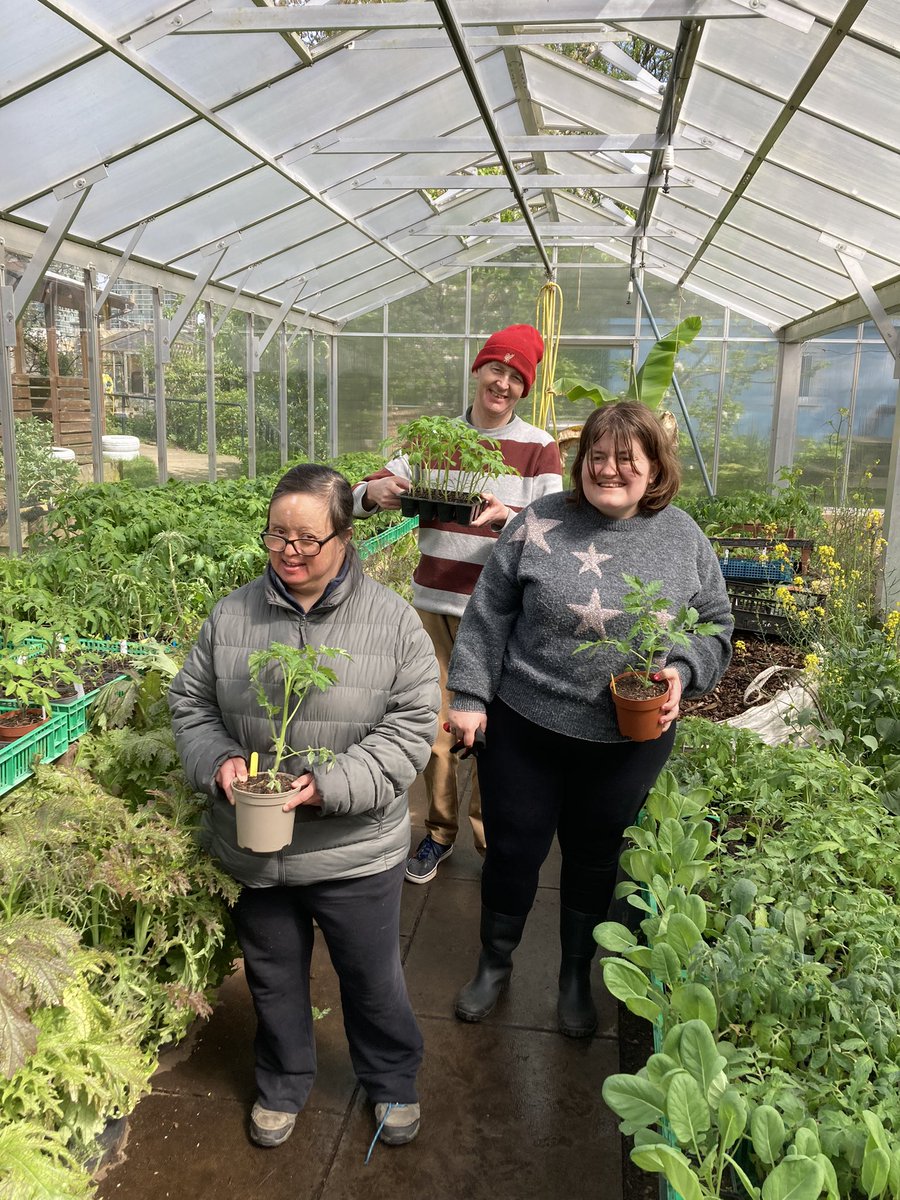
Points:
x=452 y=555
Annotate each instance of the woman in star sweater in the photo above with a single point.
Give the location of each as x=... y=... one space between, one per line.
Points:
x=554 y=761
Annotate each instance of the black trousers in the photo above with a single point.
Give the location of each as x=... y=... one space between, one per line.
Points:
x=360 y=921
x=536 y=783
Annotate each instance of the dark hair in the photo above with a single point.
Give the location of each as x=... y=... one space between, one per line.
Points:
x=628 y=421
x=313 y=479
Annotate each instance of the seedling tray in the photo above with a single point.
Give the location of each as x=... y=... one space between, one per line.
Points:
x=776 y=571
x=47 y=742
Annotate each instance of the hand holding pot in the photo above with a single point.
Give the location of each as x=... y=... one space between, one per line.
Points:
x=494 y=512
x=308 y=793
x=230 y=770
x=385 y=493
x=670 y=709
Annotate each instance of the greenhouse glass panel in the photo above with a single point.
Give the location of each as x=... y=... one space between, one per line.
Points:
x=425 y=377
x=850 y=164
x=880 y=20
x=31 y=35
x=186 y=428
x=740 y=326
x=99 y=110
x=595 y=301
x=298 y=398
x=321 y=371
x=359 y=393
x=267 y=392
x=826 y=385
x=441 y=308
x=873 y=422
x=745 y=423
x=503 y=297
x=829 y=284
x=762 y=54
x=230 y=357
x=671 y=305
x=859 y=91
x=780 y=280
x=369 y=322
x=698 y=376
x=592 y=366
x=724 y=107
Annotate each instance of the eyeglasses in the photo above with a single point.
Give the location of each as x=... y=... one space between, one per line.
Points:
x=309 y=547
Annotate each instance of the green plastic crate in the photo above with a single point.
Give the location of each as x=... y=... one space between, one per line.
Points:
x=387 y=537
x=76 y=710
x=103 y=646
x=49 y=741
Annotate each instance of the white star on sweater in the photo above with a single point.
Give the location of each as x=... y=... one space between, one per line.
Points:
x=591 y=560
x=593 y=615
x=533 y=530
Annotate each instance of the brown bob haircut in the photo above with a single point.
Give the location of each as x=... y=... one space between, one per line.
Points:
x=628 y=422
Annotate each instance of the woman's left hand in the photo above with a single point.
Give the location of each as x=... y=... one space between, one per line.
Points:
x=308 y=794
x=670 y=709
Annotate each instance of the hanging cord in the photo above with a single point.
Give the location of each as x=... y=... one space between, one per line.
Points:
x=549 y=323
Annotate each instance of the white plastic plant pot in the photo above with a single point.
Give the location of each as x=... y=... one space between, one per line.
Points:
x=62 y=453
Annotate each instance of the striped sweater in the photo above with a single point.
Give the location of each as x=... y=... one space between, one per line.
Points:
x=452 y=555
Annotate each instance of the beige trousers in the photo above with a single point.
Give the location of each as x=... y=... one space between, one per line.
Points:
x=447 y=779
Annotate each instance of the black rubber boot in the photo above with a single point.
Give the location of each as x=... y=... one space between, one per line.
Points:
x=500 y=935
x=575 y=1009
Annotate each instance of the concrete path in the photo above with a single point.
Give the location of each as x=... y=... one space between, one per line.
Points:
x=510 y=1109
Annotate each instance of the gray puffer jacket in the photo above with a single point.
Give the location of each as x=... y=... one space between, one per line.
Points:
x=379 y=719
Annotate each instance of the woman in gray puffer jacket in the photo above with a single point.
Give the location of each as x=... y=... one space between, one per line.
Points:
x=344 y=868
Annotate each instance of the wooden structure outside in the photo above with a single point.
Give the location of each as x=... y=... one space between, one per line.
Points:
x=64 y=400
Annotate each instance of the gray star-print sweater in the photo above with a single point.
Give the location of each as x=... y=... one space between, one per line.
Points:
x=554 y=581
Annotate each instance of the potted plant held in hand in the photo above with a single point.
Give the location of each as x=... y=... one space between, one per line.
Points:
x=656 y=630
x=451 y=463
x=281 y=676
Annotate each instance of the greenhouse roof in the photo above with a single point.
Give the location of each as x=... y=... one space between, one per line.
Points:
x=331 y=158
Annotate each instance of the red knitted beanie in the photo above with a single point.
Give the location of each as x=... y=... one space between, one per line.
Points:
x=519 y=346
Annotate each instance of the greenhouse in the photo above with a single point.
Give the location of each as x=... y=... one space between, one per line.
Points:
x=242 y=237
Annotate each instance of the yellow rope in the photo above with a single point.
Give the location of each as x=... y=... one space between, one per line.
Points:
x=549 y=323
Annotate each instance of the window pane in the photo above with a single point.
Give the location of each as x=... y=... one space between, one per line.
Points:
x=503 y=297
x=359 y=363
x=747 y=406
x=425 y=376
x=595 y=301
x=873 y=422
x=441 y=306
x=826 y=380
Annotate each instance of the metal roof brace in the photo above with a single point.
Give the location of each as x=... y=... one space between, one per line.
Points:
x=214 y=253
x=677 y=387
x=70 y=195
x=241 y=284
x=850 y=256
x=120 y=266
x=259 y=344
x=467 y=65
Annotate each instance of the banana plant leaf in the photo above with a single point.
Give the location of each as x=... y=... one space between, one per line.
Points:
x=655 y=375
x=574 y=390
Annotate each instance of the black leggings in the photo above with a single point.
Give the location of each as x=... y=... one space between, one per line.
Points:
x=535 y=783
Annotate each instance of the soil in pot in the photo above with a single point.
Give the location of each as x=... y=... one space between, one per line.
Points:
x=19 y=721
x=262 y=825
x=637 y=706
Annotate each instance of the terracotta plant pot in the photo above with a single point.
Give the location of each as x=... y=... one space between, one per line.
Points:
x=261 y=824
x=18 y=721
x=638 y=718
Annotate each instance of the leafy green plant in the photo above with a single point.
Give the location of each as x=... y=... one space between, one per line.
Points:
x=655 y=629
x=651 y=382
x=449 y=458
x=42 y=478
x=299 y=669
